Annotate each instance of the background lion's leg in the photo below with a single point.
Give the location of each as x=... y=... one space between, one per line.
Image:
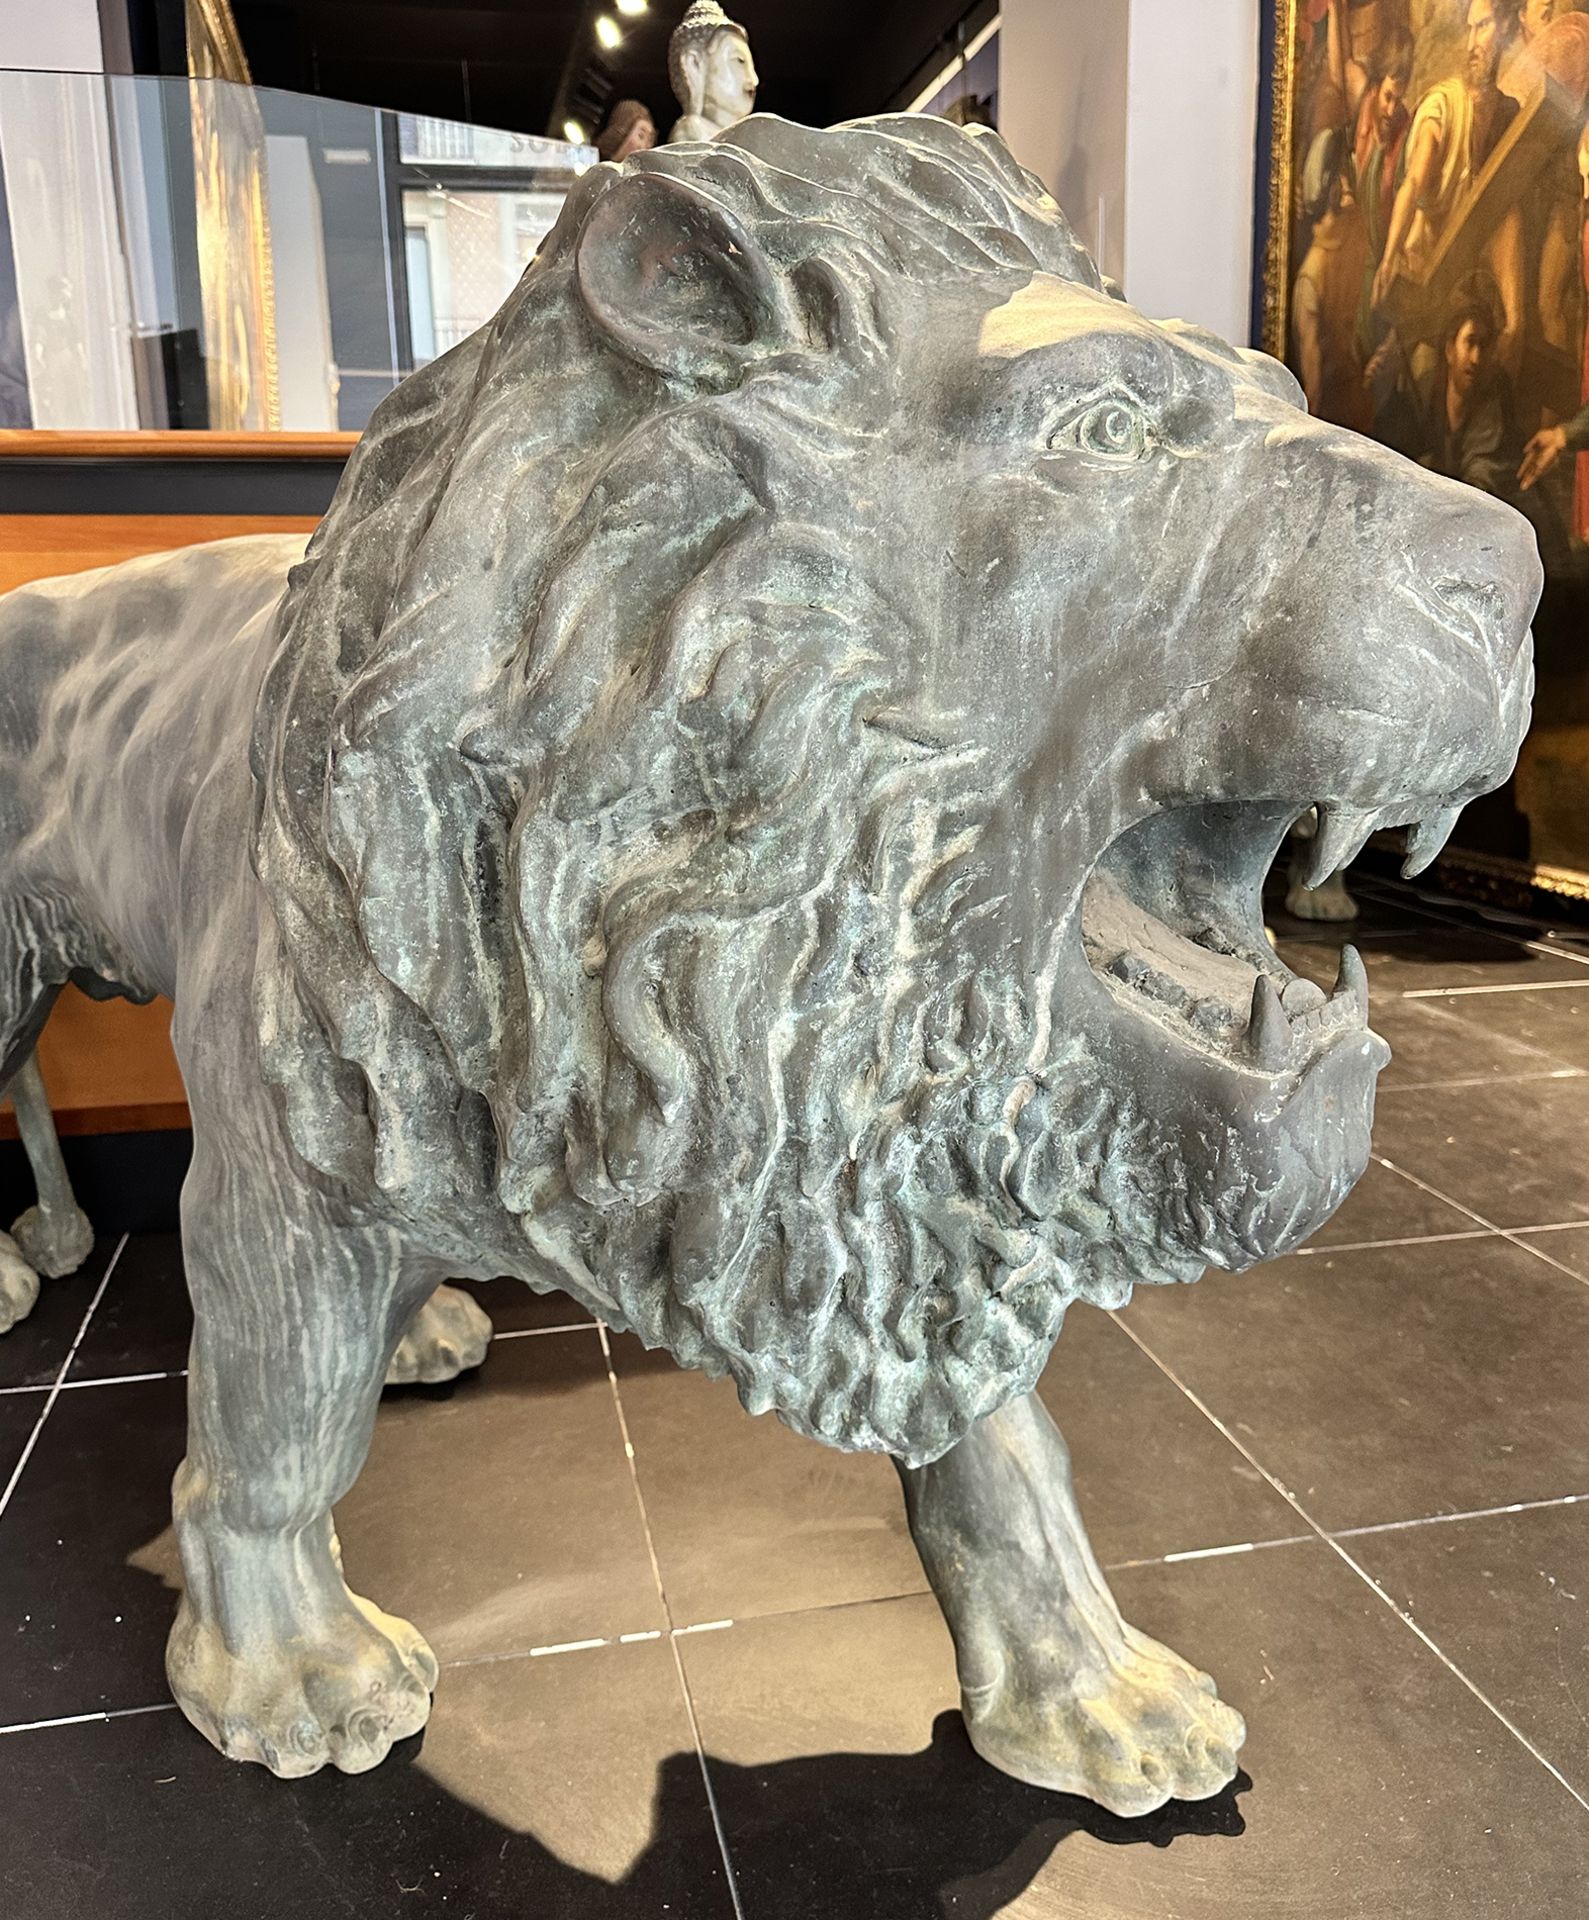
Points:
x=1055 y=1687
x=296 y=1316
x=54 y=1236
x=448 y=1336
x=24 y=1007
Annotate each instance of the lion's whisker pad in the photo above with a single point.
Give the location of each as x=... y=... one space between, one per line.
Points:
x=752 y=809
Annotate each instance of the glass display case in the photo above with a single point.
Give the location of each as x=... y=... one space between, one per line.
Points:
x=194 y=254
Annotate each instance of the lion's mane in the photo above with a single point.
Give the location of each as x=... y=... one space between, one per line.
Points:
x=610 y=891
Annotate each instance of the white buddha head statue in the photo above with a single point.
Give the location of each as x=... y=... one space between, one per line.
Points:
x=712 y=69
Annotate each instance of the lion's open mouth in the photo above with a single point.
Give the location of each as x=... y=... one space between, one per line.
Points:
x=1172 y=924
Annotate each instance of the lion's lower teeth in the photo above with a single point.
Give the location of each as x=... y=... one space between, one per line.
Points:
x=1302 y=996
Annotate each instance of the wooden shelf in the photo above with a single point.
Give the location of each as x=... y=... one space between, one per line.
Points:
x=108 y=1068
x=48 y=443
x=35 y=545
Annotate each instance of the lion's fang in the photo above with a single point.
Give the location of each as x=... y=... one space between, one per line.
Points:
x=1425 y=839
x=1342 y=833
x=1352 y=979
x=1269 y=1031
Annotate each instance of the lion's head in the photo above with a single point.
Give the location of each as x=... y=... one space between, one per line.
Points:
x=772 y=756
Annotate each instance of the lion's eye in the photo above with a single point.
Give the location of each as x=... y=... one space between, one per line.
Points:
x=1112 y=428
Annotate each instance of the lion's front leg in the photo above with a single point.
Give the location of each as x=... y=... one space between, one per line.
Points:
x=272 y=1658
x=1055 y=1687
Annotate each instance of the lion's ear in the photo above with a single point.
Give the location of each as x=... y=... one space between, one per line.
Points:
x=677 y=282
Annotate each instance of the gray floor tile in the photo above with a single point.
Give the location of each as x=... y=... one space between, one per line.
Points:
x=1507 y=1599
x=1153 y=1476
x=1392 y=1384
x=1569 y=1248
x=32 y=1353
x=1553 y=1021
x=1382 y=1206
x=557 y=1789
x=748 y=1517
x=499 y=1514
x=1514 y=1152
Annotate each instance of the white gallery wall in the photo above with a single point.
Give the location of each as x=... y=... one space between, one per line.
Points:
x=1063 y=73
x=1140 y=116
x=61 y=36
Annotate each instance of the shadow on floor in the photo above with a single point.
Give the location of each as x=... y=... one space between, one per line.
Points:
x=898 y=1837
x=805 y=1834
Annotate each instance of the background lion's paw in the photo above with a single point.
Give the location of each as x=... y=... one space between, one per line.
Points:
x=450 y=1334
x=1331 y=902
x=54 y=1243
x=19 y=1284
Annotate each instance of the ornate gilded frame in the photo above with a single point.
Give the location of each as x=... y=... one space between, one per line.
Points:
x=1280 y=111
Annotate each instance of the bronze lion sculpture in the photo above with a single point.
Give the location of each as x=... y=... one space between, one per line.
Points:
x=752 y=810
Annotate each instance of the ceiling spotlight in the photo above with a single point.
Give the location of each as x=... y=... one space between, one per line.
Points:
x=632 y=7
x=574 y=133
x=608 y=31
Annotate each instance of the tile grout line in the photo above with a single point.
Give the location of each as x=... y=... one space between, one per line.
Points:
x=1507 y=986
x=1335 y=1546
x=1411 y=1240
x=1513 y=1236
x=181 y=1373
x=672 y=1633
x=1449 y=1519
x=706 y=1781
x=538 y=1333
x=634 y=1476
x=1208 y=1553
x=100 y=1380
x=1482 y=1079
x=1316 y=1246
x=88 y=1719
x=66 y=1367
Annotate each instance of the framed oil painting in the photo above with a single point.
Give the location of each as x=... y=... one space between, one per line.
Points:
x=1424 y=275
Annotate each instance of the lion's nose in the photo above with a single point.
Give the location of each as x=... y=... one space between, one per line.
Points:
x=1479 y=613
x=1483 y=576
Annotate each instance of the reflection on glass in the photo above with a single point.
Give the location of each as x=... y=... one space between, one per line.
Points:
x=192 y=253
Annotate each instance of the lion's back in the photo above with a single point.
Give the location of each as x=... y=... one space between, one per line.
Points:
x=76 y=648
x=119 y=688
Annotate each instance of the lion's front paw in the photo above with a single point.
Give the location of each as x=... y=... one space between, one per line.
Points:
x=1130 y=1731
x=339 y=1693
x=449 y=1335
x=19 y=1284
x=54 y=1243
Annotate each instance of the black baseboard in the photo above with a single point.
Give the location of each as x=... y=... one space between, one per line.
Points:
x=154 y=483
x=125 y=1182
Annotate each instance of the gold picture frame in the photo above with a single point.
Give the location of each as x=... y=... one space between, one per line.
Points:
x=1282 y=178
